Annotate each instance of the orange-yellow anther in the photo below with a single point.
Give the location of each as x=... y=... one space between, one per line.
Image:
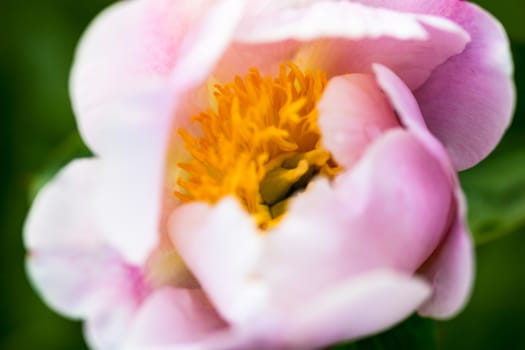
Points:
x=261 y=143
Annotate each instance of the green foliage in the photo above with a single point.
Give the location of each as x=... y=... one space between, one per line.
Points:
x=416 y=333
x=73 y=147
x=495 y=191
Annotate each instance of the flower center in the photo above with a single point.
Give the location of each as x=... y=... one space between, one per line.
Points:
x=260 y=143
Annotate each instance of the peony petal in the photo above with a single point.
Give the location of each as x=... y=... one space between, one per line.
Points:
x=440 y=7
x=115 y=53
x=221 y=246
x=139 y=41
x=266 y=57
x=129 y=127
x=76 y=272
x=407 y=108
x=71 y=281
x=175 y=317
x=96 y=286
x=132 y=172
x=203 y=46
x=47 y=226
x=106 y=328
x=469 y=100
x=450 y=270
x=356 y=36
x=352 y=113
x=397 y=196
x=358 y=307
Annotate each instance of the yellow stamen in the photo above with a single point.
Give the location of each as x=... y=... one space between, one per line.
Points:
x=261 y=143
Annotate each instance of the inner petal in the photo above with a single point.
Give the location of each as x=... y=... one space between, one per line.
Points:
x=260 y=141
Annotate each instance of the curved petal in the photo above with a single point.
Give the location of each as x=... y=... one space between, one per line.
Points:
x=133 y=42
x=69 y=263
x=361 y=306
x=203 y=46
x=353 y=112
x=441 y=7
x=450 y=270
x=130 y=126
x=106 y=328
x=114 y=53
x=389 y=211
x=221 y=246
x=407 y=108
x=356 y=36
x=46 y=225
x=469 y=100
x=266 y=57
x=174 y=317
x=132 y=171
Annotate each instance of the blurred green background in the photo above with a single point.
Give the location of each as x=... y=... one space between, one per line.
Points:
x=37 y=133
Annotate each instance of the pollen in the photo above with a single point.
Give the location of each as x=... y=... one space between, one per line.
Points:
x=260 y=142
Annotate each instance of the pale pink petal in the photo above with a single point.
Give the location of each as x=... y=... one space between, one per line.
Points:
x=353 y=112
x=204 y=45
x=133 y=42
x=450 y=270
x=266 y=57
x=468 y=102
x=130 y=128
x=356 y=36
x=175 y=317
x=221 y=245
x=106 y=328
x=71 y=281
x=129 y=42
x=407 y=108
x=258 y=8
x=75 y=271
x=47 y=226
x=132 y=171
x=358 y=307
x=441 y=7
x=389 y=211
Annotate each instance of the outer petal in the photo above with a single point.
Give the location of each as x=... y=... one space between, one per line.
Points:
x=405 y=104
x=133 y=42
x=364 y=305
x=106 y=328
x=352 y=113
x=47 y=227
x=356 y=36
x=221 y=246
x=128 y=42
x=132 y=172
x=469 y=100
x=128 y=119
x=203 y=47
x=450 y=269
x=75 y=271
x=175 y=317
x=397 y=196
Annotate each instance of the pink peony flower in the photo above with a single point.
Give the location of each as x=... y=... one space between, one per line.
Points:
x=269 y=174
